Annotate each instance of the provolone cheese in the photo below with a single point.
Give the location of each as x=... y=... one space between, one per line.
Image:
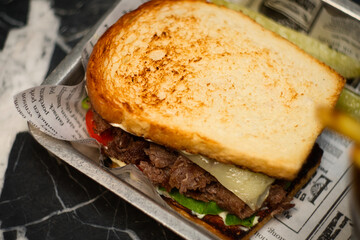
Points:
x=250 y=187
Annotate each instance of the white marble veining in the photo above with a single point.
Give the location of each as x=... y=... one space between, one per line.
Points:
x=55 y=213
x=24 y=62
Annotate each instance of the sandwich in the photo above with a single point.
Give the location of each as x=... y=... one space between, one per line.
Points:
x=218 y=112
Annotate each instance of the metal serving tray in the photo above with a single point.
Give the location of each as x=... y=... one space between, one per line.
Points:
x=70 y=72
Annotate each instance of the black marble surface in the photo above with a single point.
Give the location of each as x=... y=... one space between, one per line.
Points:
x=43 y=197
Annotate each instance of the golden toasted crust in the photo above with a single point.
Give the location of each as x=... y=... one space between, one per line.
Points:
x=197 y=77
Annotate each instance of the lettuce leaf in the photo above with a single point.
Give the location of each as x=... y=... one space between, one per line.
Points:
x=197 y=206
x=85 y=103
x=211 y=208
x=232 y=219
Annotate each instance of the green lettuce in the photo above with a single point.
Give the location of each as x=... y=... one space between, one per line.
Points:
x=85 y=103
x=232 y=219
x=210 y=208
x=349 y=102
x=197 y=206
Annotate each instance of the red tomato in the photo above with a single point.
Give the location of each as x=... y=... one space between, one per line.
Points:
x=104 y=138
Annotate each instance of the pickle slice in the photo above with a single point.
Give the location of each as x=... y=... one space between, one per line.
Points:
x=349 y=102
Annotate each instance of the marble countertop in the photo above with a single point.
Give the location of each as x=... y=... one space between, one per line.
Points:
x=42 y=197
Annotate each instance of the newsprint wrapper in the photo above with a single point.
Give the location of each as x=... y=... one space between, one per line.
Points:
x=322 y=209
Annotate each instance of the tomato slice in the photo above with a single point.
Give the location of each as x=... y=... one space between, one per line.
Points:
x=104 y=138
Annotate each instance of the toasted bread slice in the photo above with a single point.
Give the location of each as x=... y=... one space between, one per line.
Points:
x=197 y=77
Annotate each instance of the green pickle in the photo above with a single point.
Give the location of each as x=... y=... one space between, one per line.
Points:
x=205 y=208
x=349 y=102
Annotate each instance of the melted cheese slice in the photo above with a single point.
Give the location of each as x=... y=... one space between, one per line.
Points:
x=252 y=188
